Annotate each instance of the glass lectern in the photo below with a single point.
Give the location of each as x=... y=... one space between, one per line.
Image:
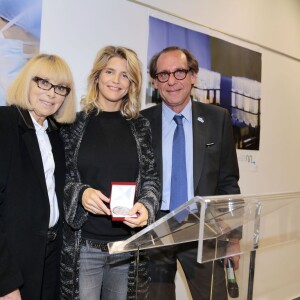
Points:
x=212 y=221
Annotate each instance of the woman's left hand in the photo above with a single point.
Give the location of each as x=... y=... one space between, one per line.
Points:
x=142 y=216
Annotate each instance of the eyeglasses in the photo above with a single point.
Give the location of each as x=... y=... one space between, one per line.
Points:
x=47 y=86
x=164 y=76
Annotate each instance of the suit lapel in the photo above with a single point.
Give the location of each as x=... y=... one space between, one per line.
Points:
x=32 y=145
x=199 y=132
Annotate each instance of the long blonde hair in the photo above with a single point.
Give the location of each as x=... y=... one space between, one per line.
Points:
x=130 y=106
x=56 y=68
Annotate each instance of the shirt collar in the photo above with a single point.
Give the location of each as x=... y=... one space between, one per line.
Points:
x=169 y=114
x=39 y=128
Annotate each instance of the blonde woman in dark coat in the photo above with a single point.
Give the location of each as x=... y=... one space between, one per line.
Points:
x=32 y=175
x=109 y=142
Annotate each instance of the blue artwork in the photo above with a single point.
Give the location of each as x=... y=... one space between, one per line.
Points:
x=20 y=27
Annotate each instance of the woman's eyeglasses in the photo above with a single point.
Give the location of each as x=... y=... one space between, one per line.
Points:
x=46 y=85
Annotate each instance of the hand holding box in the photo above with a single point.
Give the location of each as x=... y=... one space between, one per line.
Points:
x=122 y=199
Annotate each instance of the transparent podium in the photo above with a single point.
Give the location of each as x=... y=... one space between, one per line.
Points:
x=212 y=221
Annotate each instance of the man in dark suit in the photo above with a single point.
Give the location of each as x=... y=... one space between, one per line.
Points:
x=211 y=168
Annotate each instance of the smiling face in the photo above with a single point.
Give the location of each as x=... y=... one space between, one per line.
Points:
x=113 y=84
x=44 y=103
x=174 y=92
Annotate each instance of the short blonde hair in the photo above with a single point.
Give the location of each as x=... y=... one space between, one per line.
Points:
x=53 y=66
x=131 y=102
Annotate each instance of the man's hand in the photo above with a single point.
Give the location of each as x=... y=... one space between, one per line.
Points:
x=232 y=249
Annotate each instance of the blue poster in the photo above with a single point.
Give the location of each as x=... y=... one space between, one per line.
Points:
x=229 y=76
x=20 y=26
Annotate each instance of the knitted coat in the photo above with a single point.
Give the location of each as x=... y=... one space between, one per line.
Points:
x=147 y=193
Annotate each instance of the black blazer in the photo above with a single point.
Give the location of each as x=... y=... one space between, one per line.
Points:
x=215 y=164
x=24 y=203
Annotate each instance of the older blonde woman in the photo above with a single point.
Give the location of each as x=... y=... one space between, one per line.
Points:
x=109 y=142
x=32 y=174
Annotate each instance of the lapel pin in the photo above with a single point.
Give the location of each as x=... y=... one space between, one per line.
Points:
x=200 y=119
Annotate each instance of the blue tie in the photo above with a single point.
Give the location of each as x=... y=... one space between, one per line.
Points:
x=178 y=178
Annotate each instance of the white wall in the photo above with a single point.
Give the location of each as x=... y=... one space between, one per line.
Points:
x=76 y=29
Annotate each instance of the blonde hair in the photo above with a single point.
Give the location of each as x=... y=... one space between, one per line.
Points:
x=47 y=65
x=130 y=106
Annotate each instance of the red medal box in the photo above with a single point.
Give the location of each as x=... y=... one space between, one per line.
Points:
x=122 y=199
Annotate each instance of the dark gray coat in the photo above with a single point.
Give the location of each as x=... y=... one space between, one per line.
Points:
x=215 y=167
x=147 y=192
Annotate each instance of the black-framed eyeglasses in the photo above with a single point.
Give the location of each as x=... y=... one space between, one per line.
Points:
x=179 y=74
x=47 y=86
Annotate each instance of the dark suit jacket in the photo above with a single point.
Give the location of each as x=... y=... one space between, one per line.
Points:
x=214 y=156
x=24 y=203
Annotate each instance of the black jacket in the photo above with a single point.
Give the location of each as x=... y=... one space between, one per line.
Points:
x=215 y=166
x=24 y=203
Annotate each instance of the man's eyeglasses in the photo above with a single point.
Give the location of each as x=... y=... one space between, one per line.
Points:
x=164 y=76
x=46 y=85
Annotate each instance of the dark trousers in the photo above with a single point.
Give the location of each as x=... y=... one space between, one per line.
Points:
x=50 y=285
x=163 y=267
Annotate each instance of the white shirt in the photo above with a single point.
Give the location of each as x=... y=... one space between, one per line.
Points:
x=49 y=167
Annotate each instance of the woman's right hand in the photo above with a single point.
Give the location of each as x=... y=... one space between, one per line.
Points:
x=94 y=201
x=15 y=295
